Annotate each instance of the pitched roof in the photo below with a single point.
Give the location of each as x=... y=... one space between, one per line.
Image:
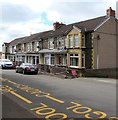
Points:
x=91 y=24
x=16 y=41
x=87 y=25
x=63 y=30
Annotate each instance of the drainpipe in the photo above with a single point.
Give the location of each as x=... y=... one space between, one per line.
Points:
x=98 y=38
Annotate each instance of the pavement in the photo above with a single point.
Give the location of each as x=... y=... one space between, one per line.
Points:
x=11 y=109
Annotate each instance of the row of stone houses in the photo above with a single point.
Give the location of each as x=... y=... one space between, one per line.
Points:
x=89 y=44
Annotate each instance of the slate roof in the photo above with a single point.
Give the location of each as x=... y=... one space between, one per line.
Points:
x=87 y=25
x=16 y=41
x=91 y=24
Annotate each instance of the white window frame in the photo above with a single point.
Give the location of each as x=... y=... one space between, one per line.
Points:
x=51 y=45
x=28 y=49
x=76 y=40
x=47 y=59
x=70 y=41
x=74 y=56
x=10 y=49
x=52 y=59
x=36 y=44
x=22 y=48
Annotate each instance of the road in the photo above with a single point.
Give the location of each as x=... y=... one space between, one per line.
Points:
x=46 y=96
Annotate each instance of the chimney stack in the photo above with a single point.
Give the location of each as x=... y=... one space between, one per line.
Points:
x=57 y=25
x=110 y=12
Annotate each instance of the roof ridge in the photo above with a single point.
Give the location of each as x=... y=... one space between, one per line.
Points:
x=88 y=20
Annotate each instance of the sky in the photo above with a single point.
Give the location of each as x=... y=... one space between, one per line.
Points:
x=19 y=18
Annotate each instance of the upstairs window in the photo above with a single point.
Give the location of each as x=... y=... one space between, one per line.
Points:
x=13 y=49
x=51 y=45
x=83 y=59
x=71 y=40
x=36 y=48
x=65 y=43
x=76 y=40
x=60 y=43
x=29 y=47
x=83 y=41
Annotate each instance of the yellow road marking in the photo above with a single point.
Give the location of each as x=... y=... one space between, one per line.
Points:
x=11 y=82
x=57 y=100
x=21 y=97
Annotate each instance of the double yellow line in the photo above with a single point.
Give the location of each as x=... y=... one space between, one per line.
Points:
x=17 y=95
x=21 y=97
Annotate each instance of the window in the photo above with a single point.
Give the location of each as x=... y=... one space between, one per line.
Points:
x=51 y=43
x=83 y=41
x=52 y=59
x=12 y=49
x=71 y=40
x=64 y=59
x=22 y=48
x=76 y=40
x=60 y=43
x=83 y=59
x=66 y=43
x=47 y=59
x=36 y=46
x=28 y=47
x=74 y=60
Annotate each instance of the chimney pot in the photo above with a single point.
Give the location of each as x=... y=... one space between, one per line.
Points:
x=110 y=12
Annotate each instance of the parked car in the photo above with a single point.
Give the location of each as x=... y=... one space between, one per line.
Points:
x=6 y=63
x=27 y=68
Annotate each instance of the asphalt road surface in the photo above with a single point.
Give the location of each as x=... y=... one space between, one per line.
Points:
x=45 y=96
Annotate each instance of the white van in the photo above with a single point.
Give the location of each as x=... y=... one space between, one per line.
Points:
x=6 y=63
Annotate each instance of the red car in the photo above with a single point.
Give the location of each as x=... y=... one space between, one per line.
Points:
x=27 y=68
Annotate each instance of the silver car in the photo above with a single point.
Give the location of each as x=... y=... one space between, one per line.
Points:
x=6 y=63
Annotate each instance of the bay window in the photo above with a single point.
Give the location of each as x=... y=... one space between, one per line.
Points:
x=46 y=58
x=74 y=60
x=52 y=59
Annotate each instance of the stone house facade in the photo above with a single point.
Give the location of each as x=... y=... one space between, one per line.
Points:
x=89 y=44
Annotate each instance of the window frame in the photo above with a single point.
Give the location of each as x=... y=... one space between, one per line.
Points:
x=70 y=41
x=51 y=45
x=74 y=56
x=76 y=40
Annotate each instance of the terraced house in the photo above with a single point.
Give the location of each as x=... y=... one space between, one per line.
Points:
x=89 y=44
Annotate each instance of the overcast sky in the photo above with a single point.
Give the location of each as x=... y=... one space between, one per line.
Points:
x=20 y=18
